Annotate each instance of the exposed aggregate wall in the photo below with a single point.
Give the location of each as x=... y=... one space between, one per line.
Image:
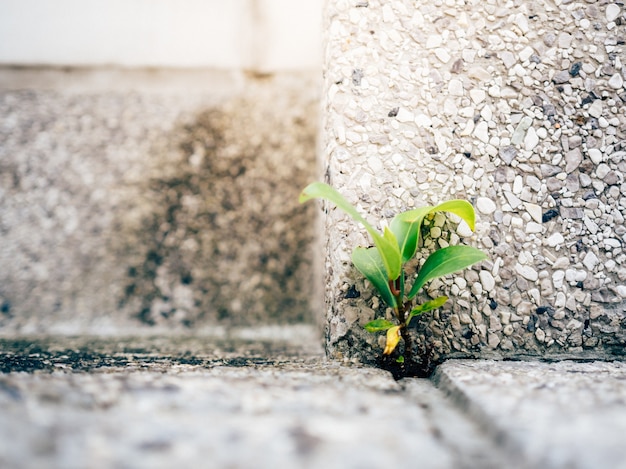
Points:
x=519 y=107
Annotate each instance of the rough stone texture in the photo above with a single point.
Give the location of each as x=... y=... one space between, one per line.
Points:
x=168 y=198
x=558 y=415
x=267 y=397
x=514 y=107
x=269 y=407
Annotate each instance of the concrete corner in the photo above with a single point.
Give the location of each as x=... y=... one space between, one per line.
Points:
x=520 y=111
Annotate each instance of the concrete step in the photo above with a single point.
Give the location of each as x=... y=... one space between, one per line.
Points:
x=275 y=401
x=161 y=197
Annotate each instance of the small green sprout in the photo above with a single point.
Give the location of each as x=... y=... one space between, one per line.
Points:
x=384 y=265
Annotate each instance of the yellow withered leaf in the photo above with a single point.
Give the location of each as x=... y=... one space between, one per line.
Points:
x=393 y=337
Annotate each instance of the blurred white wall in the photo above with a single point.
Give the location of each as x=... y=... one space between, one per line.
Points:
x=263 y=35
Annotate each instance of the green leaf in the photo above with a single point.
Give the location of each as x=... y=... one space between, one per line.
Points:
x=445 y=261
x=378 y=325
x=388 y=247
x=370 y=264
x=317 y=190
x=400 y=359
x=459 y=207
x=425 y=307
x=390 y=253
x=406 y=226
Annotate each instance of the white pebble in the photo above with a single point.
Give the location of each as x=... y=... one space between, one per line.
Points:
x=612 y=12
x=612 y=243
x=455 y=87
x=375 y=164
x=571 y=303
x=590 y=261
x=460 y=282
x=616 y=81
x=540 y=335
x=531 y=140
x=405 y=115
x=518 y=184
x=443 y=55
x=527 y=272
x=422 y=120
x=535 y=295
x=463 y=230
x=434 y=40
x=520 y=130
x=507 y=58
x=485 y=205
x=595 y=110
x=595 y=155
x=591 y=225
x=557 y=279
x=513 y=200
x=481 y=132
x=525 y=53
x=573 y=275
x=602 y=170
x=478 y=96
x=487 y=280
x=534 y=211
x=388 y=14
x=555 y=240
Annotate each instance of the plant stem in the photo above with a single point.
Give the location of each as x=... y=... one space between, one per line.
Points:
x=397 y=290
x=404 y=332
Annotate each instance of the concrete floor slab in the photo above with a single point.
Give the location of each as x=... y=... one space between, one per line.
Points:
x=550 y=415
x=274 y=405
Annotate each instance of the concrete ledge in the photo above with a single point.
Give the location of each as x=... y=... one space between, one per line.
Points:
x=519 y=110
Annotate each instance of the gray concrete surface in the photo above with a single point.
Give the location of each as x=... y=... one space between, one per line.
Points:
x=194 y=402
x=518 y=107
x=130 y=196
x=549 y=415
x=274 y=402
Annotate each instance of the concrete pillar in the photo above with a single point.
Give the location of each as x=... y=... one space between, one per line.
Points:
x=518 y=108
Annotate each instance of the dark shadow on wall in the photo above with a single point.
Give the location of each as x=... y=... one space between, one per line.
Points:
x=222 y=238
